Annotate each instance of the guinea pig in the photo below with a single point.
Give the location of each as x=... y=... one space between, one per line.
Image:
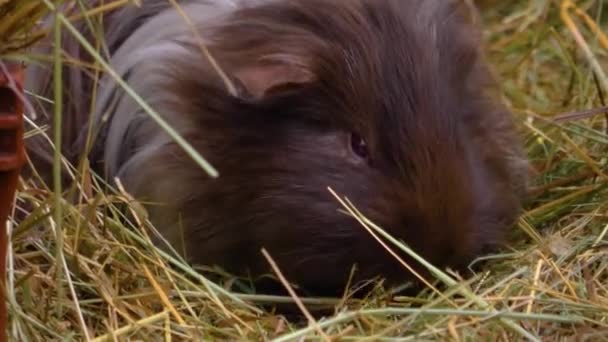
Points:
x=387 y=102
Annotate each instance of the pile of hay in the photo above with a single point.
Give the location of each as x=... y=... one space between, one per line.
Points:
x=92 y=276
x=18 y=21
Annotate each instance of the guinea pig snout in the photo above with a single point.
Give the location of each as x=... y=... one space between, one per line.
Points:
x=449 y=249
x=442 y=240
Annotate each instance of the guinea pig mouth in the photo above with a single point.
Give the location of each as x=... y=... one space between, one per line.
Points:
x=487 y=247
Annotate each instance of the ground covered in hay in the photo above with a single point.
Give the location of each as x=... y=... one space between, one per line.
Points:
x=91 y=276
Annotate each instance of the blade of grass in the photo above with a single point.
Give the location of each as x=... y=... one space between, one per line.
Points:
x=58 y=114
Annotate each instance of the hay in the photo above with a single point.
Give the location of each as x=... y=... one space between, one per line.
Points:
x=18 y=23
x=109 y=282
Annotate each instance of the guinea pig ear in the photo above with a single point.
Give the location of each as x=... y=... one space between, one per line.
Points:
x=259 y=80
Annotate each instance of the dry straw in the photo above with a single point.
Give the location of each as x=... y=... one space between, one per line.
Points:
x=17 y=25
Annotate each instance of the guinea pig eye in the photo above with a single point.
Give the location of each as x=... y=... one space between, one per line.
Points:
x=359 y=146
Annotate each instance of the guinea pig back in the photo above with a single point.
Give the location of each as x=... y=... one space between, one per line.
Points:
x=388 y=102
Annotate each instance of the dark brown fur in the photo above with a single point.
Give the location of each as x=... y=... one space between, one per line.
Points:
x=445 y=174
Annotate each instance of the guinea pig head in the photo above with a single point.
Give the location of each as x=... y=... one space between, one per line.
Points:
x=383 y=101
